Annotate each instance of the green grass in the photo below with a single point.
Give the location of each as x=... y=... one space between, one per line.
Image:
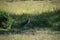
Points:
x=49 y=21
x=45 y=26
x=5 y=20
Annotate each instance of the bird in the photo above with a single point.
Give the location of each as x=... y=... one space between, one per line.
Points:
x=25 y=23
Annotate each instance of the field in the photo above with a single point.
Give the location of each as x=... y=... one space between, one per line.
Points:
x=44 y=20
x=43 y=35
x=29 y=7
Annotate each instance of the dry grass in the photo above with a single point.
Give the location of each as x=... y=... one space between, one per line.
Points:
x=27 y=7
x=39 y=35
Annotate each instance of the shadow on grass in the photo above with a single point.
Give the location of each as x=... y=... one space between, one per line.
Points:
x=49 y=20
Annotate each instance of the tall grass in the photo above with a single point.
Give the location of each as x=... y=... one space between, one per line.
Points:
x=45 y=21
x=48 y=20
x=5 y=20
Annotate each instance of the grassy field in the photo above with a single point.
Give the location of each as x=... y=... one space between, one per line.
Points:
x=29 y=7
x=39 y=35
x=44 y=21
x=41 y=27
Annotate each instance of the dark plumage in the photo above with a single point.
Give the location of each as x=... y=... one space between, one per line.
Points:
x=26 y=23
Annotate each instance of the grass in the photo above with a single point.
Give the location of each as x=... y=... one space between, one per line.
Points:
x=5 y=20
x=41 y=27
x=38 y=36
x=49 y=20
x=45 y=21
x=29 y=7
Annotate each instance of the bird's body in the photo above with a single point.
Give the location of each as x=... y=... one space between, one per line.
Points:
x=26 y=23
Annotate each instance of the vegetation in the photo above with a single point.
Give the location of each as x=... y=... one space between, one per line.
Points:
x=44 y=21
x=42 y=26
x=5 y=20
x=50 y=20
